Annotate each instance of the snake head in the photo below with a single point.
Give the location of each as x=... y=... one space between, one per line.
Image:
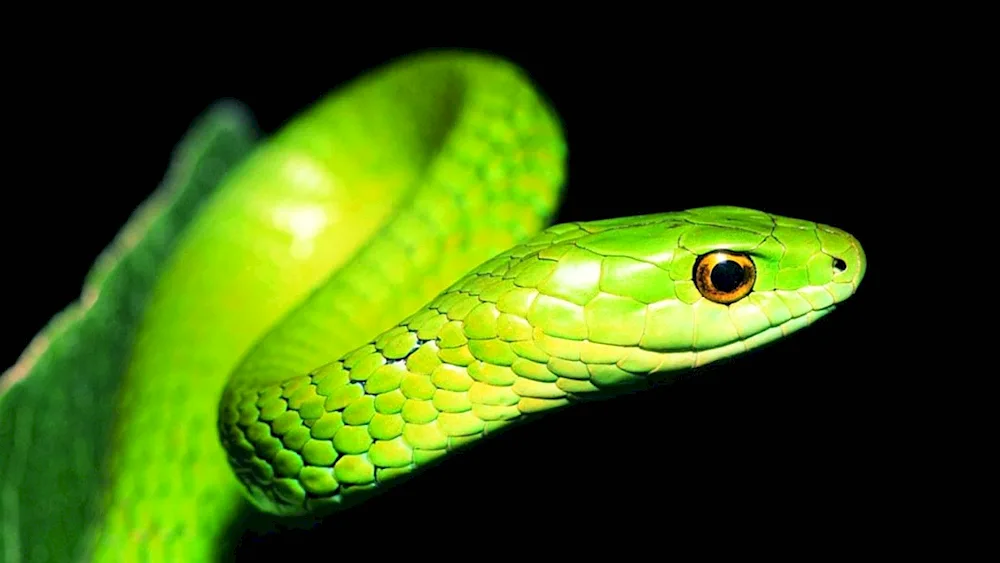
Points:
x=755 y=277
x=672 y=291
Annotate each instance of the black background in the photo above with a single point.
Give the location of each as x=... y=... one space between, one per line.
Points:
x=780 y=441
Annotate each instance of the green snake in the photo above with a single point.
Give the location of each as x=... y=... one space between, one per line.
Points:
x=376 y=287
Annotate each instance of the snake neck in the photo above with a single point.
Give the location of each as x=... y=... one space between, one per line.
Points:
x=467 y=365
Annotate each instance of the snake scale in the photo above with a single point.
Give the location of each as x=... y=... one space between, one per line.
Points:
x=377 y=286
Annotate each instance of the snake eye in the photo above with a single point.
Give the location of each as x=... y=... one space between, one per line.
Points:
x=724 y=277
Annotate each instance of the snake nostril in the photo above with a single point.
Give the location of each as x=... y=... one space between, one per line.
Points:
x=839 y=265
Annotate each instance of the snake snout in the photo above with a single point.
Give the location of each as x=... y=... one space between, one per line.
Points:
x=849 y=262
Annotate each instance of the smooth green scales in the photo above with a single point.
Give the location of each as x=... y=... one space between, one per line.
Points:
x=358 y=213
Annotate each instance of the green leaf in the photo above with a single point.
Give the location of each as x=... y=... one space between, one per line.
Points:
x=57 y=402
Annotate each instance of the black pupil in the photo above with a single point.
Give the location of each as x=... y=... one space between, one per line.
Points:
x=727 y=276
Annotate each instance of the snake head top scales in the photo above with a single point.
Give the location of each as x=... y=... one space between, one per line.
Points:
x=580 y=309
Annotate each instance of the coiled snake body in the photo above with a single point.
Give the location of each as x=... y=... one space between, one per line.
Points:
x=372 y=290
